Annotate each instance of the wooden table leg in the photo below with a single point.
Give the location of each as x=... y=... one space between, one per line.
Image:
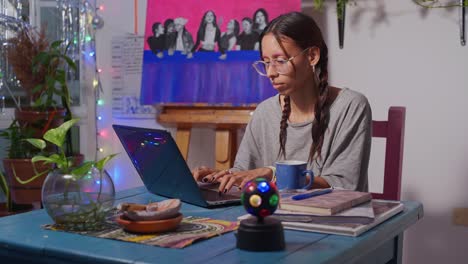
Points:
x=226 y=144
x=183 y=141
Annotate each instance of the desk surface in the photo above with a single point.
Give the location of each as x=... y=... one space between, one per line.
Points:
x=23 y=240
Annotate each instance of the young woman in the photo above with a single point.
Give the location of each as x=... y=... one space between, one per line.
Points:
x=157 y=42
x=169 y=33
x=308 y=120
x=182 y=40
x=260 y=19
x=228 y=39
x=248 y=39
x=208 y=34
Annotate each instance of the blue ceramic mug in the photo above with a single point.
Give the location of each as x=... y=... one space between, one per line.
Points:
x=292 y=174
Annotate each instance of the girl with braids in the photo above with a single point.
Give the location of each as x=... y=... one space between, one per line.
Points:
x=307 y=120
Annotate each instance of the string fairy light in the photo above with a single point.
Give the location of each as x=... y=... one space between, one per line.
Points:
x=96 y=24
x=91 y=23
x=79 y=22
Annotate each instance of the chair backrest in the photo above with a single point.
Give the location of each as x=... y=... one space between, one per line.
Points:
x=394 y=131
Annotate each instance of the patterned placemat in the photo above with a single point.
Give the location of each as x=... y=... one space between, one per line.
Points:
x=190 y=230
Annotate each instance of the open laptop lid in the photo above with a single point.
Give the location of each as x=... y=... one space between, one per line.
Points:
x=159 y=163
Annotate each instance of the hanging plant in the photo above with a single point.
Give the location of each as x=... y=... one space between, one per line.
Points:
x=439 y=4
x=341 y=14
x=340 y=6
x=461 y=4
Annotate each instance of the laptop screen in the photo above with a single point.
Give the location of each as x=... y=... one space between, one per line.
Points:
x=159 y=163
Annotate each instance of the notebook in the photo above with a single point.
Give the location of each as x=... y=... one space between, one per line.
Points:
x=362 y=214
x=326 y=204
x=383 y=210
x=163 y=170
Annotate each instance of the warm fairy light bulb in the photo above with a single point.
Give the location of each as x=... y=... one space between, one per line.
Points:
x=101 y=7
x=99 y=70
x=101 y=149
x=100 y=102
x=95 y=83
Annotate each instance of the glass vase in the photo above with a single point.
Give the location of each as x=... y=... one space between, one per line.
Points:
x=78 y=202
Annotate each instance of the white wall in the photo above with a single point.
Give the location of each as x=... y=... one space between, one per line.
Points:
x=396 y=54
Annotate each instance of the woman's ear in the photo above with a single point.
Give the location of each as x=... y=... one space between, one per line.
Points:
x=313 y=55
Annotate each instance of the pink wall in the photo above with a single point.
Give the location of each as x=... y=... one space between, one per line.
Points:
x=160 y=10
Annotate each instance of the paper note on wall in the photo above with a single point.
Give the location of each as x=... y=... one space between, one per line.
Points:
x=127 y=56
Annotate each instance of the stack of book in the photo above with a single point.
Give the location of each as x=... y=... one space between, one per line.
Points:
x=341 y=212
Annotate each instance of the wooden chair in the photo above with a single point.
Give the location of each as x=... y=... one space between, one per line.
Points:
x=394 y=131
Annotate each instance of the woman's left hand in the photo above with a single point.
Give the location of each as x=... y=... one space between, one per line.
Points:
x=228 y=179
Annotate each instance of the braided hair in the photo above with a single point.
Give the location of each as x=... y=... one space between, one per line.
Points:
x=303 y=30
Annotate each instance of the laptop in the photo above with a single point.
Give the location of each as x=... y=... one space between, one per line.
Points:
x=163 y=169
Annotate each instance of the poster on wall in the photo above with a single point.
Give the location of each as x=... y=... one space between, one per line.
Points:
x=201 y=52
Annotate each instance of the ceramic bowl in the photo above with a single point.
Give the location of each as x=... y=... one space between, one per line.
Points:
x=150 y=226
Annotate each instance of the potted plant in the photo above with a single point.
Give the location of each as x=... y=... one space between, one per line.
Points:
x=7 y=205
x=42 y=70
x=341 y=14
x=76 y=197
x=18 y=164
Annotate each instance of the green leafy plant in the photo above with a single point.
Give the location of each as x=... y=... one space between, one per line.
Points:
x=64 y=164
x=23 y=48
x=41 y=68
x=54 y=62
x=340 y=4
x=19 y=148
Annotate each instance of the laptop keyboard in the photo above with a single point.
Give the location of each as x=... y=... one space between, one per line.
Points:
x=213 y=195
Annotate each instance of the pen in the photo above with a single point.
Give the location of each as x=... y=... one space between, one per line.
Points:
x=303 y=196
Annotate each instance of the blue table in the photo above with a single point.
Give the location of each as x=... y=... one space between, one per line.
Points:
x=22 y=240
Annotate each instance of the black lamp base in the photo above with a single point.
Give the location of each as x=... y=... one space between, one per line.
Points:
x=266 y=235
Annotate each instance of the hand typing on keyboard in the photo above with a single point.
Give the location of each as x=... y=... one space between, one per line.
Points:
x=229 y=178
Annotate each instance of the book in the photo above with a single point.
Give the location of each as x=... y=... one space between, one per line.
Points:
x=326 y=204
x=362 y=214
x=382 y=209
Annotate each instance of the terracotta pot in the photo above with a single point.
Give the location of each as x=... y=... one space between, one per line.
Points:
x=23 y=168
x=40 y=121
x=4 y=211
x=15 y=210
x=29 y=193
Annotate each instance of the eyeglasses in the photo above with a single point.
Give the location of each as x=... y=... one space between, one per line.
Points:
x=281 y=65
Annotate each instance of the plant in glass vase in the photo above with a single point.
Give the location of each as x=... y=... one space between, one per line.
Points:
x=76 y=197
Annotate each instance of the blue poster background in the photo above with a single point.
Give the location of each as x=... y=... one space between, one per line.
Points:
x=176 y=79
